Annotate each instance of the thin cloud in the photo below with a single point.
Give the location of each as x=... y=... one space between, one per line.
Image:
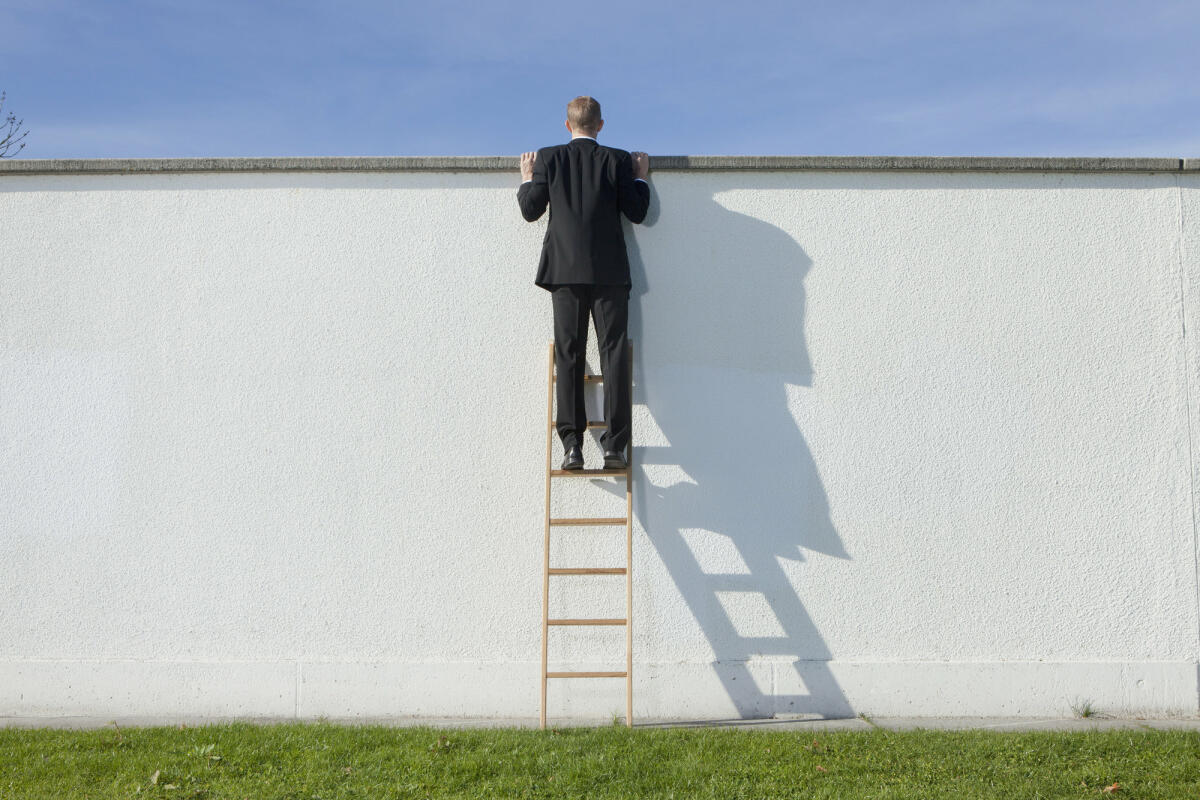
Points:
x=977 y=107
x=102 y=137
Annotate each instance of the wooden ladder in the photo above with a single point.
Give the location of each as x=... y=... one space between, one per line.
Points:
x=627 y=570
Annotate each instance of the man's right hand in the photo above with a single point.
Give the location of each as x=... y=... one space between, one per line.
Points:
x=641 y=164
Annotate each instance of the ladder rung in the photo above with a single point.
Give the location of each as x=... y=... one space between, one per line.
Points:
x=585 y=622
x=587 y=378
x=586 y=674
x=587 y=570
x=588 y=520
x=586 y=473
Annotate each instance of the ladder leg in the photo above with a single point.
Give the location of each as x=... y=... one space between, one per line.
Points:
x=629 y=556
x=546 y=559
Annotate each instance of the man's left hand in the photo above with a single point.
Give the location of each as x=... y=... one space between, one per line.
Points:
x=527 y=162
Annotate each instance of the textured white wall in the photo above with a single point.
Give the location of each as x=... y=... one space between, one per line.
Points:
x=906 y=443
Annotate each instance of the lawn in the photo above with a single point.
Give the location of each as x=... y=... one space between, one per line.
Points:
x=324 y=760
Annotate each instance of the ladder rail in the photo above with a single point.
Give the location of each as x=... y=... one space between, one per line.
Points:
x=546 y=546
x=629 y=552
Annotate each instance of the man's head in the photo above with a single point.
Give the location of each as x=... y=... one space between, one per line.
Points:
x=583 y=116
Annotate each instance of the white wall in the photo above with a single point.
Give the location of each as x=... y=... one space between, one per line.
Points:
x=905 y=443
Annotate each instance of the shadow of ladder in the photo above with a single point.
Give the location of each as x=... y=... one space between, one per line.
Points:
x=733 y=651
x=627 y=570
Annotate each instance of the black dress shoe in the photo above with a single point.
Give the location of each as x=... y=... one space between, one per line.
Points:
x=614 y=459
x=573 y=459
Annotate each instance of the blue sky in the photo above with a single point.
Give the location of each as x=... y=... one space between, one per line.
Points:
x=452 y=77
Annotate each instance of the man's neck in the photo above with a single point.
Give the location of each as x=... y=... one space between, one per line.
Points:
x=582 y=136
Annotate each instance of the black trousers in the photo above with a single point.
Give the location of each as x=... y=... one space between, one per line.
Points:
x=609 y=308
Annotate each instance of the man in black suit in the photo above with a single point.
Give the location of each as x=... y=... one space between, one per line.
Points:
x=586 y=269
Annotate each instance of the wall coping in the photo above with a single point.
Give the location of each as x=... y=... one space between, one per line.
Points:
x=84 y=166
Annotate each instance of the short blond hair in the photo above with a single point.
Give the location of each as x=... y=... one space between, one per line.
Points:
x=584 y=114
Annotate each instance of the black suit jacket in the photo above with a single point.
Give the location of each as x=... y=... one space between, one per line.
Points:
x=588 y=186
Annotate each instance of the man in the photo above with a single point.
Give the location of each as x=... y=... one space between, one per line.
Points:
x=585 y=267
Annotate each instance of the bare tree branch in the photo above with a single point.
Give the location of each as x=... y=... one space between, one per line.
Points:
x=9 y=139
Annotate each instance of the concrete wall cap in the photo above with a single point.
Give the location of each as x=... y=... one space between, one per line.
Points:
x=76 y=166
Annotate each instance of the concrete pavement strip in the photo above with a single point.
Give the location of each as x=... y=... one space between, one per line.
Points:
x=797 y=723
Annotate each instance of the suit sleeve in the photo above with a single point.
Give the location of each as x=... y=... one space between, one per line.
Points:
x=534 y=195
x=633 y=196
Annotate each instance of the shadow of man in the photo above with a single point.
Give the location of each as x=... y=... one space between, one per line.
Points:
x=718 y=322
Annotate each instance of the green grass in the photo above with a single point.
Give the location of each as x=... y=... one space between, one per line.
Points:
x=323 y=760
x=1085 y=710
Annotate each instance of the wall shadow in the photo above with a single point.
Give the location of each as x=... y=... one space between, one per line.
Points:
x=719 y=337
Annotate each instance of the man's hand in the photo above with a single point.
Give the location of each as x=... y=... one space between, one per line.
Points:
x=641 y=164
x=527 y=162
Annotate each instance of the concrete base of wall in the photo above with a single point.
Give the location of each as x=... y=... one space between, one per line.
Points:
x=680 y=691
